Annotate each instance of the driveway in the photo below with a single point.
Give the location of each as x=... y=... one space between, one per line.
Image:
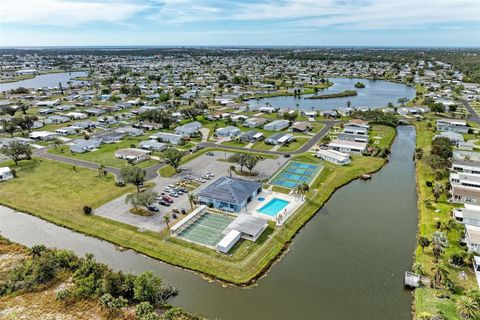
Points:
x=118 y=210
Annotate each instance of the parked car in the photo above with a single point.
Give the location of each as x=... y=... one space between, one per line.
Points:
x=164 y=203
x=174 y=194
x=209 y=153
x=153 y=208
x=167 y=199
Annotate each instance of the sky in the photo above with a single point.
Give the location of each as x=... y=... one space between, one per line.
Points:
x=446 y=23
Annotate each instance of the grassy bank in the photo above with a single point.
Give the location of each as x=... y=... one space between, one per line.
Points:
x=427 y=300
x=346 y=93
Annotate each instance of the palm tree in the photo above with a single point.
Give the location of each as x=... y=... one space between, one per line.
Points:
x=467 y=307
x=440 y=273
x=423 y=242
x=166 y=219
x=437 y=190
x=231 y=169
x=101 y=170
x=57 y=143
x=192 y=199
x=439 y=241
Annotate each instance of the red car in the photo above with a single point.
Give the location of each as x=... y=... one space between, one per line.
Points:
x=168 y=199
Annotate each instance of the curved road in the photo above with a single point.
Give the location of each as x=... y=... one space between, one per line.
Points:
x=152 y=171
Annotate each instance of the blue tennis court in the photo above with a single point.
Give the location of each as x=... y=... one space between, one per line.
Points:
x=296 y=173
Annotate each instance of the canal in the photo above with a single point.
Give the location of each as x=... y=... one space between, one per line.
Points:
x=348 y=262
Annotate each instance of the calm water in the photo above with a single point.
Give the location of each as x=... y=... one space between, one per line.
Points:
x=348 y=262
x=44 y=80
x=376 y=94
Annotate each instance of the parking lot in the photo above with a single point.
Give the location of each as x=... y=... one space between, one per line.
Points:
x=118 y=210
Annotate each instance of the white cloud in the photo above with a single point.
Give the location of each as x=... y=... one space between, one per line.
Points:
x=66 y=12
x=350 y=14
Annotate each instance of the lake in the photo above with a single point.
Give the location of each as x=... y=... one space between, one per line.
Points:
x=376 y=94
x=45 y=80
x=348 y=262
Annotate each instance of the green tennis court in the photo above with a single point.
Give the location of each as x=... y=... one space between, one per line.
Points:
x=295 y=173
x=206 y=229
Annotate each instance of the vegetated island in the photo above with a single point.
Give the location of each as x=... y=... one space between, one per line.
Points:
x=346 y=93
x=359 y=85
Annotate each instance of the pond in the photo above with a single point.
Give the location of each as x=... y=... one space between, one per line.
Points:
x=348 y=262
x=376 y=94
x=45 y=80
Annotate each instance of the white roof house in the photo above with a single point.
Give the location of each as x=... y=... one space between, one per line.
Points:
x=132 y=154
x=472 y=237
x=347 y=146
x=43 y=135
x=455 y=125
x=167 y=137
x=333 y=156
x=276 y=125
x=470 y=214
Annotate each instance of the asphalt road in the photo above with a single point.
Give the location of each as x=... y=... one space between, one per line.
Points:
x=150 y=172
x=473 y=114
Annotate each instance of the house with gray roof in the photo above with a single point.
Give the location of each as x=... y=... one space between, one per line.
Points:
x=279 y=138
x=229 y=131
x=82 y=145
x=229 y=194
x=188 y=129
x=276 y=125
x=152 y=145
x=167 y=137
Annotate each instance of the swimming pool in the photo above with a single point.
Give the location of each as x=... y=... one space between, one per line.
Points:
x=273 y=207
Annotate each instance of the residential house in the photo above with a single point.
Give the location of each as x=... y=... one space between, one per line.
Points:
x=229 y=131
x=301 y=126
x=353 y=137
x=167 y=137
x=279 y=138
x=43 y=135
x=455 y=125
x=333 y=156
x=129 y=131
x=229 y=194
x=82 y=145
x=251 y=136
x=276 y=125
x=109 y=137
x=254 y=122
x=56 y=119
x=472 y=237
x=470 y=214
x=132 y=154
x=348 y=146
x=152 y=145
x=188 y=129
x=65 y=131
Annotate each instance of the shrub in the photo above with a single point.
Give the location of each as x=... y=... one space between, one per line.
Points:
x=87 y=210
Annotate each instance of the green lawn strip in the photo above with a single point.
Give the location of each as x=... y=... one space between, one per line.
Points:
x=105 y=154
x=294 y=145
x=281 y=189
x=425 y=301
x=53 y=191
x=386 y=134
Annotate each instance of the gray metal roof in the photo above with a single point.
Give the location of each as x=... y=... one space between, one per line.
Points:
x=230 y=190
x=247 y=224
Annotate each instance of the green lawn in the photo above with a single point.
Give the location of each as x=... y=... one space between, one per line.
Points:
x=57 y=191
x=105 y=154
x=425 y=300
x=384 y=133
x=294 y=145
